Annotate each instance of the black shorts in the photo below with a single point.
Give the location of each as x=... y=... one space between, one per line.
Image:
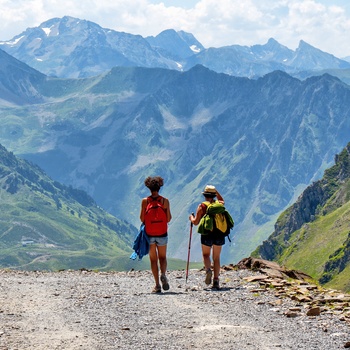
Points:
x=213 y=239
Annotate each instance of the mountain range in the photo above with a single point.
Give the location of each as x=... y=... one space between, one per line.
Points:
x=260 y=141
x=73 y=48
x=313 y=234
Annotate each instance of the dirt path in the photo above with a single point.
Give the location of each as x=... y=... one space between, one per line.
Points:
x=86 y=310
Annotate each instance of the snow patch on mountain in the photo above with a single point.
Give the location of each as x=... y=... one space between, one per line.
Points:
x=195 y=48
x=12 y=42
x=47 y=31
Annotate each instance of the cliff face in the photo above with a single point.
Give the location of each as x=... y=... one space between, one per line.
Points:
x=292 y=219
x=323 y=205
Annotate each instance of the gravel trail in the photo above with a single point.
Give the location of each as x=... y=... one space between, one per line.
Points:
x=95 y=310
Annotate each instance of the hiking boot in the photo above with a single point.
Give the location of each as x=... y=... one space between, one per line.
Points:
x=157 y=289
x=216 y=284
x=208 y=275
x=165 y=282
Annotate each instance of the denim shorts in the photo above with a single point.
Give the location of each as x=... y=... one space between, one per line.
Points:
x=212 y=239
x=159 y=241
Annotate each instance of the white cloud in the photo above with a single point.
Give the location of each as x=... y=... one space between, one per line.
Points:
x=323 y=24
x=325 y=27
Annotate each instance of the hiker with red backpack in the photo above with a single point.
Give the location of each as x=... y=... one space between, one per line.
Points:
x=155 y=214
x=211 y=240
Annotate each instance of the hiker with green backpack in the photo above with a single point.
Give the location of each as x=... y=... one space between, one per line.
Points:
x=155 y=214
x=214 y=225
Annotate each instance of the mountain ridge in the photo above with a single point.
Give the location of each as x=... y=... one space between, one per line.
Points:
x=191 y=128
x=73 y=48
x=17 y=80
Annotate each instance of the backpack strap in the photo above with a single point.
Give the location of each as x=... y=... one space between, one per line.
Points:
x=159 y=199
x=204 y=206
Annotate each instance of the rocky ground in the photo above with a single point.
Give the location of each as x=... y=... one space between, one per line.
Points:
x=94 y=310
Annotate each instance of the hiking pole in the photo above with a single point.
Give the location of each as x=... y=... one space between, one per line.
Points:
x=189 y=249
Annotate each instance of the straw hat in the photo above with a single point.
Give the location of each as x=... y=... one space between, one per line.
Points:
x=209 y=190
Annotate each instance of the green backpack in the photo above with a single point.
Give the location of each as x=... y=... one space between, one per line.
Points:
x=216 y=219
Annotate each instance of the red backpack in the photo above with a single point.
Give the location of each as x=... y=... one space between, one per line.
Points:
x=156 y=221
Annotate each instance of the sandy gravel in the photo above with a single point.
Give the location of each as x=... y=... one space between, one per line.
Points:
x=90 y=310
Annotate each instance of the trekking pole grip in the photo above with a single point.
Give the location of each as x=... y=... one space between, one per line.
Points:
x=189 y=249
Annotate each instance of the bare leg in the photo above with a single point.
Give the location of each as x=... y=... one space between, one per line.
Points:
x=206 y=256
x=153 y=256
x=162 y=259
x=216 y=260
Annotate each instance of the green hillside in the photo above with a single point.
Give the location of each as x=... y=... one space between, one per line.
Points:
x=313 y=235
x=316 y=245
x=46 y=225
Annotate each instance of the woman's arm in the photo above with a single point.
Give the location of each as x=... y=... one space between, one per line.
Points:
x=197 y=218
x=219 y=197
x=167 y=208
x=143 y=209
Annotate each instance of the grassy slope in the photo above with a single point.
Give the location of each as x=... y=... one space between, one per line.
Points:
x=46 y=225
x=312 y=245
x=321 y=246
x=69 y=237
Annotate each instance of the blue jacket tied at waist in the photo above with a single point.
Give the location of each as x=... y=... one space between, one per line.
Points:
x=141 y=244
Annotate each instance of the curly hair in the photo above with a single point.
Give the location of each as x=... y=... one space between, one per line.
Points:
x=154 y=183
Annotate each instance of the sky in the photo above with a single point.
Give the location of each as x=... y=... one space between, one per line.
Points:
x=215 y=23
